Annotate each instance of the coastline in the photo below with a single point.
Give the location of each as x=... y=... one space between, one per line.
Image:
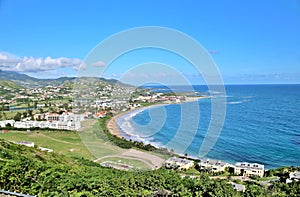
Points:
x=113 y=127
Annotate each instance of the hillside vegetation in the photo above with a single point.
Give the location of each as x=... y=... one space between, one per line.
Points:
x=30 y=171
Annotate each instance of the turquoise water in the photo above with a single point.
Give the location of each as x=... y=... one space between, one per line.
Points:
x=262 y=125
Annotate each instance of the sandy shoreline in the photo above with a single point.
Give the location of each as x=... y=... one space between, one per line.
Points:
x=112 y=123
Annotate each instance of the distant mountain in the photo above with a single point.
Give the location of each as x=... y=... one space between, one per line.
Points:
x=31 y=82
x=11 y=75
x=9 y=85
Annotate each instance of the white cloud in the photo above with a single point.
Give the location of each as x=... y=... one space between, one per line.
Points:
x=99 y=64
x=31 y=64
x=3 y=56
x=81 y=66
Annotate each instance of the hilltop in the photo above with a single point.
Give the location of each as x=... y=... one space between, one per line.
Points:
x=31 y=82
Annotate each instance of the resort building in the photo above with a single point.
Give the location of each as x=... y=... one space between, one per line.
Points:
x=179 y=163
x=65 y=116
x=293 y=176
x=26 y=124
x=64 y=125
x=39 y=116
x=213 y=165
x=249 y=169
x=4 y=123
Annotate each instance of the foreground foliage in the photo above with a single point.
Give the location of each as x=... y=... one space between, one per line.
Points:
x=30 y=171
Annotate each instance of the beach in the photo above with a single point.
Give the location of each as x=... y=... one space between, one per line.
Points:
x=113 y=127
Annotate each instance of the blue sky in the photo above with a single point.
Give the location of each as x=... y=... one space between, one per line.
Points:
x=250 y=41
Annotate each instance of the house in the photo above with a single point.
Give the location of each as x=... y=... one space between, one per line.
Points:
x=40 y=105
x=213 y=165
x=293 y=176
x=179 y=163
x=249 y=169
x=38 y=116
x=100 y=114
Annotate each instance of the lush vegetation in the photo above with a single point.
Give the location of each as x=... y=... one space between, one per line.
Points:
x=30 y=171
x=27 y=170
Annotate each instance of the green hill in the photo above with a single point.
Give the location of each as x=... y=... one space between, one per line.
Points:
x=31 y=82
x=10 y=85
x=29 y=171
x=8 y=89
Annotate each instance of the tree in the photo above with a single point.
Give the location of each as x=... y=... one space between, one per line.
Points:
x=18 y=116
x=41 y=110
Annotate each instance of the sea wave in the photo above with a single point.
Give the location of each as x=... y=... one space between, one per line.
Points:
x=237 y=102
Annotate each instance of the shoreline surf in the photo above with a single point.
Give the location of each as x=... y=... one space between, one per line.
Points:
x=115 y=129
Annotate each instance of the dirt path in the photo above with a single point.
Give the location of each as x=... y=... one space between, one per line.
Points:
x=126 y=157
x=151 y=160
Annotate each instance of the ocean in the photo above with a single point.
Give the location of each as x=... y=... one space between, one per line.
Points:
x=262 y=125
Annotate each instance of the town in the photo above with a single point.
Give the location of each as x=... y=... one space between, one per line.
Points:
x=65 y=106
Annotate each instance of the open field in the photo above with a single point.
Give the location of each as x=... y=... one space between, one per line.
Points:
x=98 y=144
x=90 y=142
x=67 y=143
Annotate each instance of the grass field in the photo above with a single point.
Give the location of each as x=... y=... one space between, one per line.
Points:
x=90 y=142
x=67 y=143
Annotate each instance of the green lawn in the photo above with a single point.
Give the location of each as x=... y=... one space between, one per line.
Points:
x=67 y=143
x=90 y=142
x=96 y=141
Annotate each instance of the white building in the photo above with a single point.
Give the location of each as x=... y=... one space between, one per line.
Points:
x=293 y=176
x=213 y=165
x=3 y=123
x=66 y=116
x=248 y=169
x=175 y=162
x=44 y=124
x=26 y=124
